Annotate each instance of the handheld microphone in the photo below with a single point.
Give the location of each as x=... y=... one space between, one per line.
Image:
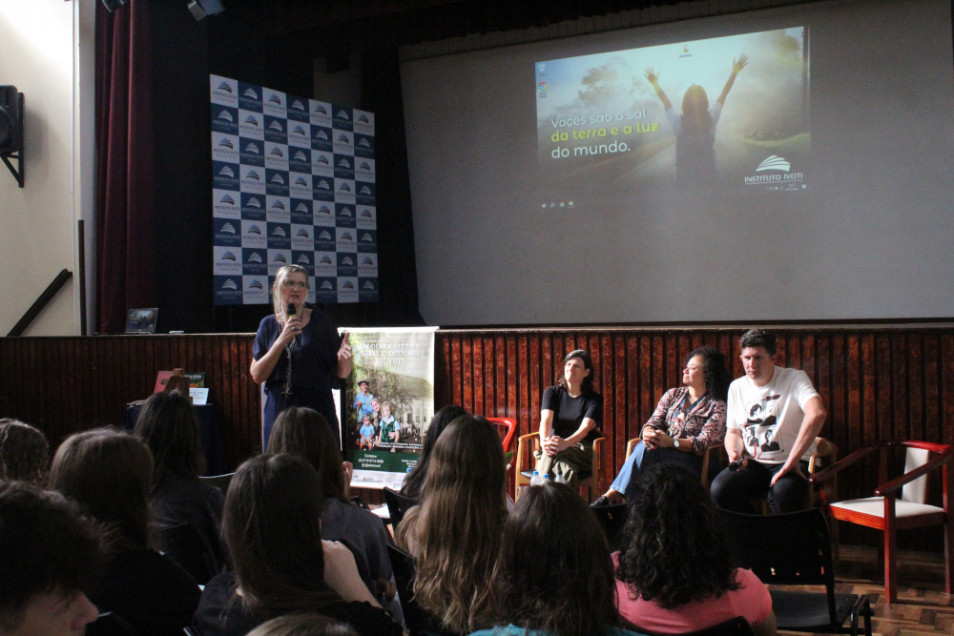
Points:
x=291 y=311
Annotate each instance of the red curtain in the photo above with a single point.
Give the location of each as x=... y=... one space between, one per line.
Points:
x=125 y=186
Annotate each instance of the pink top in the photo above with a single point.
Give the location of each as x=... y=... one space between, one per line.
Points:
x=751 y=600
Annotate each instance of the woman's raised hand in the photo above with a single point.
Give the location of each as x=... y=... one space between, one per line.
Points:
x=739 y=64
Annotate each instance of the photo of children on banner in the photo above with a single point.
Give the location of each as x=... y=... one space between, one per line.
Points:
x=366 y=434
x=390 y=428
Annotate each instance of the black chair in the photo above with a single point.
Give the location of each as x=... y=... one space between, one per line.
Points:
x=419 y=621
x=612 y=518
x=794 y=549
x=398 y=504
x=110 y=624
x=737 y=626
x=187 y=547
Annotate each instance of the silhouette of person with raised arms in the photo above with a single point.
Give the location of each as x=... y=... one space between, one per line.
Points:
x=695 y=128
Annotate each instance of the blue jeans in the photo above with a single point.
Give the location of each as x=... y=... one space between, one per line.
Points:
x=642 y=458
x=735 y=489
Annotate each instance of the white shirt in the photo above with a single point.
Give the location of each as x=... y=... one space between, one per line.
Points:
x=770 y=416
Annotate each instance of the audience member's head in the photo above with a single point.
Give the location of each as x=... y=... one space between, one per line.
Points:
x=714 y=369
x=554 y=571
x=24 y=452
x=676 y=547
x=169 y=427
x=108 y=474
x=303 y=624
x=49 y=556
x=272 y=529
x=305 y=432
x=754 y=338
x=458 y=526
x=414 y=482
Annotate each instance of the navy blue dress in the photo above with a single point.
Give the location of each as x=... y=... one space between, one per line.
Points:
x=314 y=360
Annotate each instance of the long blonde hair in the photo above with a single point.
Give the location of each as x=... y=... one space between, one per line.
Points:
x=460 y=524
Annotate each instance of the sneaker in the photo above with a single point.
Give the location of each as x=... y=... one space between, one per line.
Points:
x=602 y=500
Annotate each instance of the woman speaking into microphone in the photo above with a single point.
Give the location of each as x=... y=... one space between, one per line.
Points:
x=298 y=353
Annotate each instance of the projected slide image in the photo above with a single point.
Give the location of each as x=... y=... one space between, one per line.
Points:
x=722 y=114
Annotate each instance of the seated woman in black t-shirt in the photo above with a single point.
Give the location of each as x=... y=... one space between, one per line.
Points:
x=570 y=419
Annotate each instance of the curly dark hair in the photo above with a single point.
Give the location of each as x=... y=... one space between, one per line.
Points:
x=677 y=548
x=717 y=374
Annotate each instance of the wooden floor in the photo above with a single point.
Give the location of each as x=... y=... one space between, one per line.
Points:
x=922 y=608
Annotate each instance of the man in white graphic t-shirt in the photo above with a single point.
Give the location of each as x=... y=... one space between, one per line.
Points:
x=773 y=416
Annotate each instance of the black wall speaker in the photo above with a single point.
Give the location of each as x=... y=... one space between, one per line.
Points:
x=11 y=120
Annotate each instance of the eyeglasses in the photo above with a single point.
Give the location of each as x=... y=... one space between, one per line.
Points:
x=289 y=284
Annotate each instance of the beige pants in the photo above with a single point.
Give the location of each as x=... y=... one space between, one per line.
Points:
x=574 y=463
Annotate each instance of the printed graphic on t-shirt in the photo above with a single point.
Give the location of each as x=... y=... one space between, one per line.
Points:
x=761 y=426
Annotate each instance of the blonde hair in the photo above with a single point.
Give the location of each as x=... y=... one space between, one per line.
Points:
x=283 y=272
x=459 y=526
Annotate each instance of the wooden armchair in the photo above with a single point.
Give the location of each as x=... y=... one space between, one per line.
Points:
x=899 y=503
x=527 y=444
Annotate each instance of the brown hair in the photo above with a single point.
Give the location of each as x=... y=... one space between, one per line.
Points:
x=24 y=452
x=108 y=474
x=305 y=432
x=414 y=482
x=303 y=624
x=554 y=571
x=44 y=544
x=169 y=427
x=272 y=528
x=458 y=530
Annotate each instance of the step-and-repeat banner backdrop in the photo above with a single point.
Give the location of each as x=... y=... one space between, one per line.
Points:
x=293 y=183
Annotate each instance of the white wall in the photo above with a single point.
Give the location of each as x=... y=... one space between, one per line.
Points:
x=39 y=54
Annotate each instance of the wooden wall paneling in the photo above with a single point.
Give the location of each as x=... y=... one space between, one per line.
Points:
x=822 y=364
x=628 y=374
x=838 y=413
x=467 y=365
x=508 y=350
x=867 y=383
x=519 y=383
x=502 y=376
x=616 y=450
x=902 y=395
x=946 y=390
x=477 y=373
x=913 y=348
x=647 y=393
x=535 y=367
x=930 y=375
x=877 y=381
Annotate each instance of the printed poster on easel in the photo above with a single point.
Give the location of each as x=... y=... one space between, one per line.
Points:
x=389 y=402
